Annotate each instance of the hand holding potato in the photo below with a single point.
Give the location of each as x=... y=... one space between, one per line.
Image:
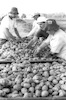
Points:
x=37 y=51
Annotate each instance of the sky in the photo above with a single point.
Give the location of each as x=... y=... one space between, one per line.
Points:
x=33 y=6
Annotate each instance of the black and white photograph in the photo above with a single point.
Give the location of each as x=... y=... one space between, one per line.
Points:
x=32 y=49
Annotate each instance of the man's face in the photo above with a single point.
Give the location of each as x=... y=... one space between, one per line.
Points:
x=14 y=15
x=41 y=23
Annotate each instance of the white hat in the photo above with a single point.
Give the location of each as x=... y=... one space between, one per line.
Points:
x=41 y=19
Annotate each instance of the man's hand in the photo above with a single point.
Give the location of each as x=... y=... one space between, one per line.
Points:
x=37 y=51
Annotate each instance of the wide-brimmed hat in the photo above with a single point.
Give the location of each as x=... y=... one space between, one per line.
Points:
x=41 y=19
x=14 y=10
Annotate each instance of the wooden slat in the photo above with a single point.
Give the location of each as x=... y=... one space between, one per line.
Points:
x=45 y=61
x=39 y=98
x=5 y=61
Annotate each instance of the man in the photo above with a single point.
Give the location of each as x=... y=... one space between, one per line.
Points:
x=36 y=15
x=38 y=31
x=8 y=28
x=56 y=40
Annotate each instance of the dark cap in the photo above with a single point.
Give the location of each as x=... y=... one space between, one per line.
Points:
x=36 y=15
x=14 y=10
x=51 y=25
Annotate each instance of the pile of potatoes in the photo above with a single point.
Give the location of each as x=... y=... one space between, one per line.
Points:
x=32 y=80
x=18 y=51
x=23 y=79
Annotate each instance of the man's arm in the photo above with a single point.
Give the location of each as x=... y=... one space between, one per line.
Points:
x=32 y=42
x=34 y=30
x=8 y=35
x=44 y=43
x=17 y=33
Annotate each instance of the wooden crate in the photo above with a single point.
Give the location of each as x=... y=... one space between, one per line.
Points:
x=43 y=98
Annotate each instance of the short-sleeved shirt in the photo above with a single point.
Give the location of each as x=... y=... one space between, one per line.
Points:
x=9 y=23
x=42 y=33
x=57 y=43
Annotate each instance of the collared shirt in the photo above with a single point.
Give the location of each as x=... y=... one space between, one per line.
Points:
x=57 y=43
x=9 y=23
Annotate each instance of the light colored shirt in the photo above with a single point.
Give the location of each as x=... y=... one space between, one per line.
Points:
x=7 y=23
x=35 y=29
x=57 y=43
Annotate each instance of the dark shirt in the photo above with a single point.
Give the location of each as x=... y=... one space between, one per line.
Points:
x=42 y=33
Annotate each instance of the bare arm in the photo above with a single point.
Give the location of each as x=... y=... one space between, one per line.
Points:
x=34 y=30
x=17 y=33
x=44 y=43
x=8 y=35
x=32 y=41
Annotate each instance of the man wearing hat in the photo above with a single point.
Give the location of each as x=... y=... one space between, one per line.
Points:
x=8 y=28
x=36 y=16
x=56 y=40
x=38 y=31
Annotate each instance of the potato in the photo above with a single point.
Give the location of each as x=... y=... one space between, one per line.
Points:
x=52 y=72
x=26 y=95
x=63 y=86
x=35 y=71
x=55 y=81
x=47 y=83
x=50 y=91
x=50 y=86
x=38 y=87
x=62 y=69
x=38 y=93
x=6 y=90
x=31 y=89
x=10 y=72
x=62 y=93
x=34 y=96
x=45 y=87
x=36 y=77
x=33 y=84
x=41 y=83
x=50 y=78
x=1 y=92
x=44 y=93
x=15 y=92
x=56 y=88
x=23 y=90
x=45 y=68
x=26 y=85
x=55 y=93
x=22 y=84
x=47 y=65
x=11 y=95
x=18 y=79
x=37 y=81
x=46 y=74
x=28 y=80
x=17 y=87
x=2 y=81
x=14 y=68
x=61 y=82
x=1 y=87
